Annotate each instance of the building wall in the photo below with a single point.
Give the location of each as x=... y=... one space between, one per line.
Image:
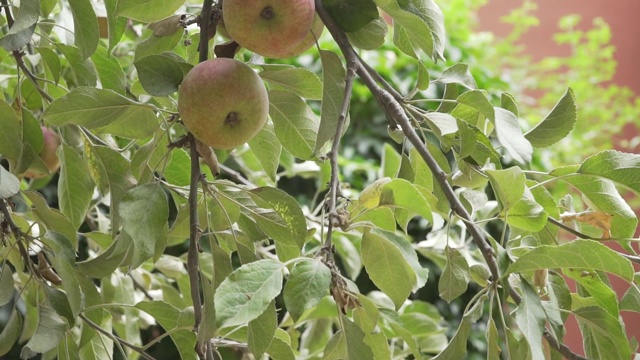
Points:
x=622 y=17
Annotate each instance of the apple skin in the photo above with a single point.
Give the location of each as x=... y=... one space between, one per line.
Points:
x=223 y=103
x=50 y=144
x=270 y=28
x=317 y=27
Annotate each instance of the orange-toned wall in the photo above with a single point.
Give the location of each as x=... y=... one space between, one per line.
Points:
x=622 y=17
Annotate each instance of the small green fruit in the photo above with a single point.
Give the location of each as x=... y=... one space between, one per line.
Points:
x=270 y=28
x=223 y=103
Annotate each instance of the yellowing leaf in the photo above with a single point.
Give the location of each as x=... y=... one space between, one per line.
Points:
x=597 y=219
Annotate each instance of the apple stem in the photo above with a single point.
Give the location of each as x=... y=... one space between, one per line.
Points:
x=267 y=13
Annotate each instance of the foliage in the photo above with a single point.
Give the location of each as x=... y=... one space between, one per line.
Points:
x=135 y=240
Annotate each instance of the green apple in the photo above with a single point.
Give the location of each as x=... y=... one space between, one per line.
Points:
x=223 y=103
x=270 y=28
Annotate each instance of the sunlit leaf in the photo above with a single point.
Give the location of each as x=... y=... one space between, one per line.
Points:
x=299 y=81
x=578 y=254
x=246 y=293
x=557 y=124
x=510 y=136
x=455 y=276
x=308 y=283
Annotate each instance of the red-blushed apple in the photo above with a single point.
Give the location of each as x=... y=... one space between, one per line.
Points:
x=223 y=103
x=270 y=28
x=50 y=144
x=310 y=40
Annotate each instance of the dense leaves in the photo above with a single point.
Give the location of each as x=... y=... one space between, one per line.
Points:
x=294 y=250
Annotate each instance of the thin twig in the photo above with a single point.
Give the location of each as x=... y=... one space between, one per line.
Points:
x=116 y=338
x=193 y=265
x=335 y=147
x=396 y=115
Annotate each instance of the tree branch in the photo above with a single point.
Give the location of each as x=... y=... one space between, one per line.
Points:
x=334 y=182
x=396 y=115
x=193 y=261
x=113 y=337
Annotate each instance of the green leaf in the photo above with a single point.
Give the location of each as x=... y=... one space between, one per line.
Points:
x=104 y=110
x=117 y=24
x=75 y=187
x=178 y=170
x=11 y=133
x=493 y=341
x=50 y=331
x=387 y=267
x=333 y=75
x=441 y=123
x=6 y=284
x=419 y=18
x=531 y=319
x=622 y=168
x=455 y=275
x=510 y=136
x=299 y=81
x=558 y=123
x=51 y=60
x=84 y=71
x=142 y=10
x=9 y=184
x=578 y=254
x=63 y=259
x=23 y=27
x=288 y=242
x=113 y=171
x=631 y=299
x=280 y=347
x=354 y=337
x=308 y=283
x=508 y=185
x=351 y=15
x=410 y=255
x=296 y=125
x=247 y=292
x=601 y=194
x=477 y=99
x=370 y=36
x=100 y=346
x=608 y=334
x=457 y=348
x=51 y=218
x=86 y=34
x=599 y=291
x=527 y=214
x=458 y=74
x=11 y=332
x=160 y=75
x=267 y=149
x=155 y=45
x=31 y=145
x=261 y=331
x=508 y=103
x=144 y=211
x=170 y=318
x=110 y=71
x=402 y=193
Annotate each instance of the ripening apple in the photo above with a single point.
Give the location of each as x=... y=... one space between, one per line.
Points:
x=50 y=144
x=270 y=28
x=310 y=40
x=223 y=103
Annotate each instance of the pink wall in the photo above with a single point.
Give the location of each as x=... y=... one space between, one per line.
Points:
x=622 y=17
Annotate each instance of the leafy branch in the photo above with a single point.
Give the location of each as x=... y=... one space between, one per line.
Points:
x=392 y=105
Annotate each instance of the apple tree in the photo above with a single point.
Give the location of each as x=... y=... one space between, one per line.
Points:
x=173 y=184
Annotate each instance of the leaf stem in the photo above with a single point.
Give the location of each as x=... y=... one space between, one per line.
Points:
x=113 y=337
